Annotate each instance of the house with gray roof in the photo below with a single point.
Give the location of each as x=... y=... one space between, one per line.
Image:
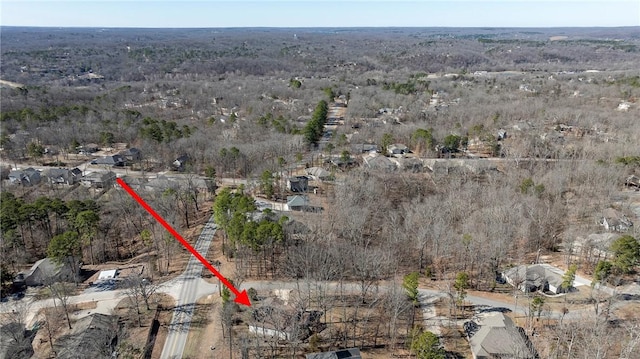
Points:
x=318 y=173
x=273 y=318
x=62 y=175
x=113 y=161
x=26 y=177
x=496 y=336
x=613 y=220
x=46 y=270
x=365 y=148
x=94 y=336
x=535 y=277
x=297 y=203
x=131 y=154
x=98 y=179
x=378 y=162
x=351 y=353
x=397 y=149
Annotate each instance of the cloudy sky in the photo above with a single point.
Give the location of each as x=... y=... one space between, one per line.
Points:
x=320 y=13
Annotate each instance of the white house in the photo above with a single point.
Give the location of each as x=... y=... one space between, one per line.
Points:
x=615 y=221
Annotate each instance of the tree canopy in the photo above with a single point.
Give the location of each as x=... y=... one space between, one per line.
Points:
x=626 y=252
x=426 y=345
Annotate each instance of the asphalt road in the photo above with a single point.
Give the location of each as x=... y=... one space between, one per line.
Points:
x=186 y=299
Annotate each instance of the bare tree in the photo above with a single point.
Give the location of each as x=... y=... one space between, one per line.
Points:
x=61 y=291
x=139 y=290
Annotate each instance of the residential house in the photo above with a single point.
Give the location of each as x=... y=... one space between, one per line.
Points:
x=377 y=162
x=365 y=148
x=88 y=149
x=94 y=336
x=16 y=340
x=410 y=164
x=496 y=336
x=26 y=177
x=275 y=319
x=595 y=246
x=63 y=175
x=180 y=163
x=162 y=183
x=98 y=179
x=351 y=353
x=615 y=221
x=298 y=184
x=46 y=270
x=633 y=181
x=535 y=277
x=113 y=161
x=297 y=203
x=397 y=150
x=318 y=174
x=131 y=154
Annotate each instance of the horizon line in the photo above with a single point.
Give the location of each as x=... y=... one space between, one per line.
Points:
x=317 y=27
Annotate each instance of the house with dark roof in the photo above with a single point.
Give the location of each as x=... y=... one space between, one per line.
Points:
x=131 y=154
x=535 y=277
x=113 y=161
x=62 y=175
x=298 y=184
x=94 y=336
x=15 y=341
x=496 y=336
x=180 y=163
x=351 y=353
x=632 y=181
x=26 y=177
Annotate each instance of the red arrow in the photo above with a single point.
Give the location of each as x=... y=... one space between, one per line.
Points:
x=241 y=297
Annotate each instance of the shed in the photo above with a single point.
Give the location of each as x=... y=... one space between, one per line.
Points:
x=108 y=274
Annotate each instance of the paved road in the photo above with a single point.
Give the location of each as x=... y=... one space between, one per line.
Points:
x=187 y=296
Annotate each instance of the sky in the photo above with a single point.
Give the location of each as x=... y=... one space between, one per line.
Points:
x=319 y=13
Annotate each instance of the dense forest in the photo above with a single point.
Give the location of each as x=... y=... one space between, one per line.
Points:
x=518 y=141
